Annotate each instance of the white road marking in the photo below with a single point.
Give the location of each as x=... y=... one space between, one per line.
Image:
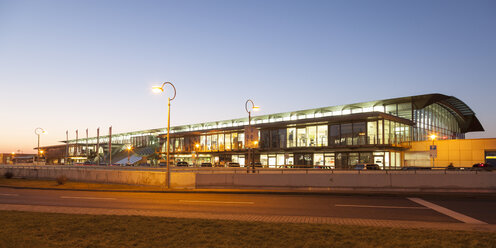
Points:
x=221 y=202
x=445 y=211
x=8 y=194
x=371 y=206
x=87 y=198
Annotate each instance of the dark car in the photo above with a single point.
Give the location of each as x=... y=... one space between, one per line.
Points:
x=257 y=164
x=232 y=164
x=416 y=168
x=206 y=165
x=484 y=166
x=372 y=167
x=182 y=164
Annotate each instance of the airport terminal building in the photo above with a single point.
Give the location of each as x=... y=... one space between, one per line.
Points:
x=342 y=136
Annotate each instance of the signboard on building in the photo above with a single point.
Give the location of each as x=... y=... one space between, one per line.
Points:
x=251 y=137
x=433 y=151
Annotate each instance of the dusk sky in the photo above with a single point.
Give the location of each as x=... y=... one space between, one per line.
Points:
x=67 y=65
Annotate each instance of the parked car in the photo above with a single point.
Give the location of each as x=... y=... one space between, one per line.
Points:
x=257 y=164
x=205 y=164
x=182 y=164
x=366 y=167
x=372 y=167
x=232 y=164
x=483 y=166
x=416 y=168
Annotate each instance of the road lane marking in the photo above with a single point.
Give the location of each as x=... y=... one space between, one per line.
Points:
x=372 y=206
x=448 y=212
x=87 y=198
x=3 y=194
x=221 y=202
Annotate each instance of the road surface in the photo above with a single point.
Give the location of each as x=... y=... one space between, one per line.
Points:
x=436 y=209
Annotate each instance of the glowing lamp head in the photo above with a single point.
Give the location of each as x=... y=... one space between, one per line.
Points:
x=157 y=89
x=129 y=147
x=197 y=145
x=255 y=142
x=41 y=151
x=433 y=136
x=256 y=108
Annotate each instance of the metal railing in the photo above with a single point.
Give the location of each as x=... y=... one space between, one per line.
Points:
x=258 y=170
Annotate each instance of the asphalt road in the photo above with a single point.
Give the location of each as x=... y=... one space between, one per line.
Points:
x=452 y=209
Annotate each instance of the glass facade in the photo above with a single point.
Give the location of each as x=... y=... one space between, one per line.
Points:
x=436 y=119
x=331 y=137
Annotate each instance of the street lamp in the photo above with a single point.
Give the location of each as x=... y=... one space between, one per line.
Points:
x=38 y=131
x=433 y=138
x=128 y=148
x=196 y=153
x=248 y=110
x=160 y=89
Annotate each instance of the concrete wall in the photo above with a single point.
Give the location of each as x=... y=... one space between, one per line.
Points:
x=397 y=180
x=151 y=178
x=379 y=180
x=461 y=152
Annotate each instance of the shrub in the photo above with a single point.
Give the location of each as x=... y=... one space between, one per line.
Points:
x=61 y=179
x=8 y=174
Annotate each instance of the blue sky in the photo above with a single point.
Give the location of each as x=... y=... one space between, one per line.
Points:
x=67 y=65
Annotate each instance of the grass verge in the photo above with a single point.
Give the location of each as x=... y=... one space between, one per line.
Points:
x=52 y=184
x=28 y=229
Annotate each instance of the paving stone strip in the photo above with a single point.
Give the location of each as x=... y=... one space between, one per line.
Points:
x=248 y=217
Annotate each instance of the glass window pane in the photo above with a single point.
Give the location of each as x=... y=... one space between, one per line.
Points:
x=209 y=142
x=318 y=159
x=322 y=135
x=311 y=136
x=359 y=129
x=263 y=159
x=214 y=142
x=228 y=142
x=335 y=135
x=221 y=142
x=274 y=138
x=301 y=137
x=329 y=161
x=380 y=132
x=234 y=143
x=291 y=137
x=387 y=139
x=282 y=138
x=280 y=159
x=346 y=134
x=372 y=132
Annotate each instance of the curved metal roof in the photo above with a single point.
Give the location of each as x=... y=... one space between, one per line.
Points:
x=466 y=117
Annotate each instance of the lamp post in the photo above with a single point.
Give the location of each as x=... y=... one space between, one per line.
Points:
x=160 y=89
x=433 y=138
x=196 y=154
x=248 y=110
x=128 y=148
x=38 y=131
